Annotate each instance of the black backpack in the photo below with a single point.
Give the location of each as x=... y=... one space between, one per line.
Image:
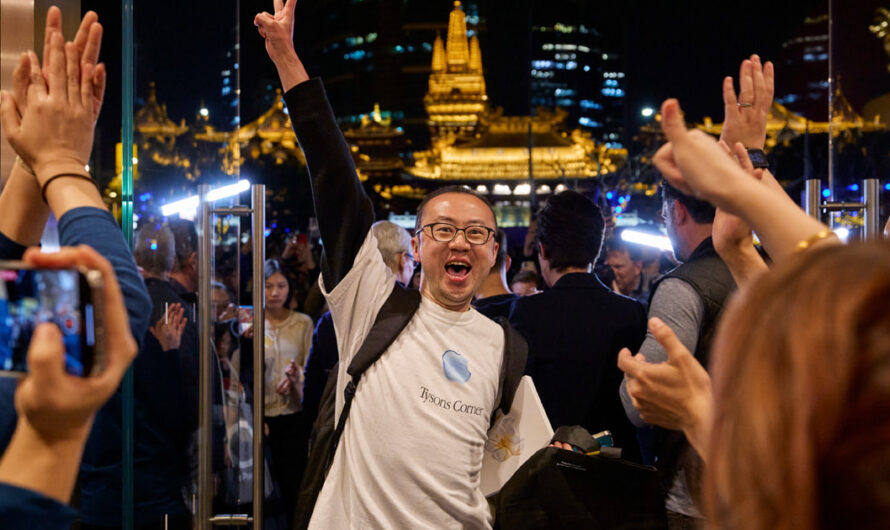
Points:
x=395 y=314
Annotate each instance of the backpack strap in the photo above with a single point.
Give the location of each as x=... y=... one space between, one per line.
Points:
x=512 y=367
x=392 y=318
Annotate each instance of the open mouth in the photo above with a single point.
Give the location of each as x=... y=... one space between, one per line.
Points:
x=457 y=270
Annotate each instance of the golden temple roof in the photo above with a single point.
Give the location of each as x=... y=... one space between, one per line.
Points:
x=456 y=98
x=152 y=119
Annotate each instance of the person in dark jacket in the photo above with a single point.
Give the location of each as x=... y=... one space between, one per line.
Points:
x=494 y=299
x=576 y=328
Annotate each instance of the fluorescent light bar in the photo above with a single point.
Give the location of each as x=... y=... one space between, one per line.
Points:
x=190 y=204
x=646 y=239
x=227 y=191
x=185 y=205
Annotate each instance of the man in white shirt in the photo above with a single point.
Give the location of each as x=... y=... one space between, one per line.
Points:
x=411 y=453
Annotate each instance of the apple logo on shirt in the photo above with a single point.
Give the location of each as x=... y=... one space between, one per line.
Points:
x=455 y=367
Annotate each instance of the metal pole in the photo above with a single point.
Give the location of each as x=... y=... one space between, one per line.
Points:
x=813 y=198
x=128 y=475
x=872 y=209
x=831 y=84
x=205 y=381
x=258 y=226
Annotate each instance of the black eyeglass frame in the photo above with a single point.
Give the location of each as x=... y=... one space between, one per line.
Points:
x=432 y=233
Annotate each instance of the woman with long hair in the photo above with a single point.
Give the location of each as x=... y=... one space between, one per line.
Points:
x=288 y=335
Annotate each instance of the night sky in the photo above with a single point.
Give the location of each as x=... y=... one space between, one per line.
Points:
x=670 y=49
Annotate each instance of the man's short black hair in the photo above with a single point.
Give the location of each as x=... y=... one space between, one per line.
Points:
x=452 y=189
x=501 y=257
x=702 y=212
x=570 y=227
x=186 y=236
x=616 y=244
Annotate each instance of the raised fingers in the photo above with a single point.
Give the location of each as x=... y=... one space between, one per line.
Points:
x=56 y=81
x=72 y=72
x=758 y=81
x=730 y=101
x=746 y=82
x=53 y=25
x=81 y=39
x=769 y=79
x=98 y=89
x=20 y=78
x=36 y=81
x=89 y=53
x=279 y=5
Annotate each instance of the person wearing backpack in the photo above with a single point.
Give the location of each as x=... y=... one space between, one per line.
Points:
x=420 y=374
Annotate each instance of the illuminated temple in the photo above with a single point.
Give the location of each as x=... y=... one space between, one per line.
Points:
x=475 y=145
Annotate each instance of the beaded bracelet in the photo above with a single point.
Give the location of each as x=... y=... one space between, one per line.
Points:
x=60 y=175
x=813 y=239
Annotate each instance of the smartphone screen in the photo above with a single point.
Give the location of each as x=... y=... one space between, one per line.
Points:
x=31 y=297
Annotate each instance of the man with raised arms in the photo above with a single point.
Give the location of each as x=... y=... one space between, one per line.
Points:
x=411 y=453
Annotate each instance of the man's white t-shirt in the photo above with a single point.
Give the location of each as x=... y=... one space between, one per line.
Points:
x=411 y=452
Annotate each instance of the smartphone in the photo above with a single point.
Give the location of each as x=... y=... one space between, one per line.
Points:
x=69 y=298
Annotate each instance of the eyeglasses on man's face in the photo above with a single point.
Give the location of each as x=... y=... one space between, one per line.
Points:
x=446 y=232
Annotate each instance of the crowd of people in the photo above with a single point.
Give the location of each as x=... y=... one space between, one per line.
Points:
x=754 y=379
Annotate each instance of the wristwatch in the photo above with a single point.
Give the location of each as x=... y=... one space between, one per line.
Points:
x=758 y=158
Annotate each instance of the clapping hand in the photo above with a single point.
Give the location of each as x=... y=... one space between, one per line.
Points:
x=745 y=116
x=675 y=394
x=168 y=329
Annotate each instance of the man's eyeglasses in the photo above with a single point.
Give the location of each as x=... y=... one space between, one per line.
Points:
x=446 y=232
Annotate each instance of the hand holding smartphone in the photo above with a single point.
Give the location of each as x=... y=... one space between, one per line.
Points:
x=68 y=298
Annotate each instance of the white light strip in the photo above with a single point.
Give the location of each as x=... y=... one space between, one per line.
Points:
x=190 y=204
x=228 y=191
x=185 y=205
x=649 y=240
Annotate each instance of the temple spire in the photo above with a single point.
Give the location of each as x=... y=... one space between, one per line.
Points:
x=438 y=54
x=475 y=56
x=458 y=54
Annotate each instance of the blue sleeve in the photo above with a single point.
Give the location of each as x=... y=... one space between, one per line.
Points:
x=22 y=508
x=9 y=249
x=97 y=228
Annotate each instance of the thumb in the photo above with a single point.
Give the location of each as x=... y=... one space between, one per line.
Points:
x=9 y=115
x=46 y=354
x=668 y=340
x=672 y=122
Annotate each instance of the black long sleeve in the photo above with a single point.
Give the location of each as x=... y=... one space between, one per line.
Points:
x=343 y=209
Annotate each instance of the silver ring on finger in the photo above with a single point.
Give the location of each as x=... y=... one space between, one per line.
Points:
x=745 y=104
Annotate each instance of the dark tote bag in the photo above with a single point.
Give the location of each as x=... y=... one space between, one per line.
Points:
x=556 y=488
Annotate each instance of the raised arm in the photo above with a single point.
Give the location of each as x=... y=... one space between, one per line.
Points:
x=732 y=236
x=694 y=163
x=344 y=211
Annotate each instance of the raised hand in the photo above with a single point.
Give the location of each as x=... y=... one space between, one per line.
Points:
x=55 y=133
x=745 y=116
x=675 y=394
x=168 y=329
x=278 y=32
x=87 y=42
